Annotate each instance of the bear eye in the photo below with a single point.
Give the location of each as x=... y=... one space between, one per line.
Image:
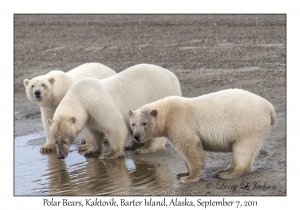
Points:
x=43 y=85
x=144 y=123
x=132 y=124
x=32 y=86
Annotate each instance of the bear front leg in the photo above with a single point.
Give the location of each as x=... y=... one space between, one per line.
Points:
x=96 y=143
x=86 y=141
x=192 y=150
x=117 y=142
x=49 y=145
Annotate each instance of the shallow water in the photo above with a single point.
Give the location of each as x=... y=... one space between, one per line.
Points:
x=38 y=174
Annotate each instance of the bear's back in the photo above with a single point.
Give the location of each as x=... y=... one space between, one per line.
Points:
x=96 y=70
x=230 y=113
x=143 y=83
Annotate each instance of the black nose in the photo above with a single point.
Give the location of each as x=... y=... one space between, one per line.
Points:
x=37 y=93
x=136 y=137
x=61 y=157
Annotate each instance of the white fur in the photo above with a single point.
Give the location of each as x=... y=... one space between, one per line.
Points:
x=102 y=105
x=53 y=87
x=231 y=120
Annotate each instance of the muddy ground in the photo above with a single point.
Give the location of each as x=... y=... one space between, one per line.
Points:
x=207 y=52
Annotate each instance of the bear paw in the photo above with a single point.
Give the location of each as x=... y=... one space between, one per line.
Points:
x=145 y=150
x=182 y=174
x=83 y=147
x=91 y=153
x=48 y=148
x=142 y=151
x=111 y=155
x=188 y=179
x=217 y=175
x=231 y=175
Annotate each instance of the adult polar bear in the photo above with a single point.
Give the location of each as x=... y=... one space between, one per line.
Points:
x=102 y=107
x=48 y=90
x=231 y=120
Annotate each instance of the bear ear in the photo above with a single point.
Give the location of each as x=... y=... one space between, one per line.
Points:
x=50 y=121
x=130 y=113
x=26 y=82
x=153 y=113
x=73 y=120
x=51 y=80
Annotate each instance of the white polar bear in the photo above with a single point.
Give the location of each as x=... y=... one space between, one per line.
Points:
x=102 y=107
x=48 y=90
x=231 y=120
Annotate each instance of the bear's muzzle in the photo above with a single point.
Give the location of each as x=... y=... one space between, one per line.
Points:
x=37 y=94
x=136 y=137
x=62 y=154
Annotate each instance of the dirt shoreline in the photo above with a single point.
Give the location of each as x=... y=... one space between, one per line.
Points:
x=207 y=52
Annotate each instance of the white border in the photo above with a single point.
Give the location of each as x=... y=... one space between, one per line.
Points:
x=154 y=6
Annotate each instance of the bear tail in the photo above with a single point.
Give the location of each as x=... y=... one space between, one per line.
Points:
x=273 y=115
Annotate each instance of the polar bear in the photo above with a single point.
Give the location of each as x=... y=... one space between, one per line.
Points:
x=231 y=120
x=102 y=107
x=48 y=90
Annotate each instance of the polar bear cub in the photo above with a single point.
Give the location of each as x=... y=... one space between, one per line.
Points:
x=48 y=90
x=230 y=120
x=102 y=107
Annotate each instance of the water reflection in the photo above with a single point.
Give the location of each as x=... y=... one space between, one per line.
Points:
x=37 y=174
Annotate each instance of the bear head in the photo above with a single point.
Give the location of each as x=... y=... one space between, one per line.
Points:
x=143 y=124
x=39 y=90
x=63 y=133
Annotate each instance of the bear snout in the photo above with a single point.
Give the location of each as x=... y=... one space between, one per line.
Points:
x=60 y=156
x=136 y=137
x=37 y=94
